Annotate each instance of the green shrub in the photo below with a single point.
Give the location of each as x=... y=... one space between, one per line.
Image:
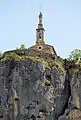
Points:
x=12 y=56
x=75 y=55
x=22 y=52
x=22 y=47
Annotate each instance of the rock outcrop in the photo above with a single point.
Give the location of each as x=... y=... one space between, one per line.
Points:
x=33 y=90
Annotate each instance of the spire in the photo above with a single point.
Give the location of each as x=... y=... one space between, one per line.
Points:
x=40 y=31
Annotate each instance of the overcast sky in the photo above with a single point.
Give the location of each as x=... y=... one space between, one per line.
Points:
x=61 y=19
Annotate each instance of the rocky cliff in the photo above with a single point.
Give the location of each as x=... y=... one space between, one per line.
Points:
x=32 y=89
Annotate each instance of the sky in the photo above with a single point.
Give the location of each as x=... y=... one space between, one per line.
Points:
x=61 y=19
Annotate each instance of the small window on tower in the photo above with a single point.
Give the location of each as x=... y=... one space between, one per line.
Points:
x=39 y=36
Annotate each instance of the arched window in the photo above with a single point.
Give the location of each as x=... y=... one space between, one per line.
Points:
x=40 y=36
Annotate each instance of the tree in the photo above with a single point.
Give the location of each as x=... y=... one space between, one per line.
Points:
x=75 y=55
x=22 y=47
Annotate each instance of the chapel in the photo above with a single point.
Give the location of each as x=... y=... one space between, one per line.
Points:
x=40 y=48
x=40 y=44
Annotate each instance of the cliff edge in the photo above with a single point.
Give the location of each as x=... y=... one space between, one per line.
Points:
x=34 y=89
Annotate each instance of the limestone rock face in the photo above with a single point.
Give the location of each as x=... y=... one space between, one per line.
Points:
x=76 y=89
x=30 y=90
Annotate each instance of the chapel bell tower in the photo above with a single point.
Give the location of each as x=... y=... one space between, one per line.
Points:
x=40 y=31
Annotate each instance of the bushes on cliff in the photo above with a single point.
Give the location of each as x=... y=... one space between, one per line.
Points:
x=22 y=47
x=75 y=60
x=12 y=56
x=75 y=55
